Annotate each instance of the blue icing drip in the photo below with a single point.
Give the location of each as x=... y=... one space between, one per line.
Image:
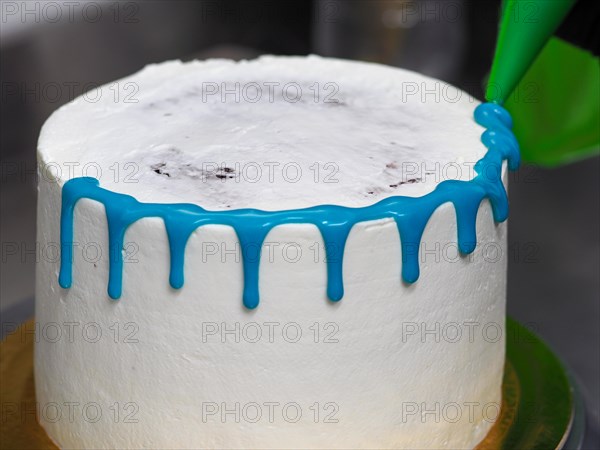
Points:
x=335 y=230
x=334 y=222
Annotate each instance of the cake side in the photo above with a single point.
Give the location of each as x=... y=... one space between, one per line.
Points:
x=375 y=363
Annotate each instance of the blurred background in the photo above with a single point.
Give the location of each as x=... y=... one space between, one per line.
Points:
x=53 y=51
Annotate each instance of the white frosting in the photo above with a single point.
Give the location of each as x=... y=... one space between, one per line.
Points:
x=322 y=132
x=377 y=373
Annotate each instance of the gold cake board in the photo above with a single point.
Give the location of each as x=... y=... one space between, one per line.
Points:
x=537 y=396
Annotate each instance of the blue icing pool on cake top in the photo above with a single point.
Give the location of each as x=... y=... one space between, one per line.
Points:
x=411 y=215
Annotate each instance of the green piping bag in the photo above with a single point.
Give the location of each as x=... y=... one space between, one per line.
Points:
x=525 y=27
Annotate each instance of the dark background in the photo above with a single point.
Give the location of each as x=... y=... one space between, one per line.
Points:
x=554 y=250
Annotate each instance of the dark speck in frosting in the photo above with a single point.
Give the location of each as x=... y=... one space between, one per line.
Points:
x=224 y=173
x=158 y=168
x=410 y=181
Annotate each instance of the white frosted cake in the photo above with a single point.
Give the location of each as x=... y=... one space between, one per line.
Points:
x=279 y=253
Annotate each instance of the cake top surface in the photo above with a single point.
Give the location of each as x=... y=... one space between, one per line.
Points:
x=273 y=133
